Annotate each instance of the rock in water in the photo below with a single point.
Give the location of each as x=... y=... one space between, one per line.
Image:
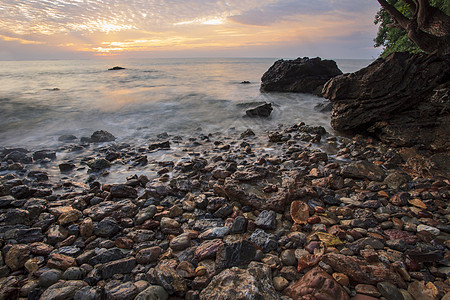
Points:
x=260 y=111
x=302 y=75
x=400 y=99
x=101 y=136
x=116 y=68
x=252 y=283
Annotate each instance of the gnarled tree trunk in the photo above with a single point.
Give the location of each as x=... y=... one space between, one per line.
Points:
x=429 y=27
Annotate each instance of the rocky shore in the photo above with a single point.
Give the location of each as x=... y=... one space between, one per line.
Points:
x=292 y=213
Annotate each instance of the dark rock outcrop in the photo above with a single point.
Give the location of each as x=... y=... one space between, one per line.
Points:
x=260 y=111
x=116 y=68
x=402 y=99
x=101 y=136
x=302 y=75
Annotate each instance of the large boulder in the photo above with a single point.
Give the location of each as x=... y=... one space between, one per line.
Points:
x=401 y=99
x=302 y=75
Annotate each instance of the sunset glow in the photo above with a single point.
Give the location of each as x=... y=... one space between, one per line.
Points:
x=74 y=28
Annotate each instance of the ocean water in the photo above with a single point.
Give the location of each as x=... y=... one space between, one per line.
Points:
x=42 y=100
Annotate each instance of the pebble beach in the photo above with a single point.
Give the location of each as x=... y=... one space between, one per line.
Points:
x=281 y=214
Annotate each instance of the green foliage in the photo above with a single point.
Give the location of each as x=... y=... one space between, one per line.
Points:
x=394 y=39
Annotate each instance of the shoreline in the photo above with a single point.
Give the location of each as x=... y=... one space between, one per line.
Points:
x=188 y=214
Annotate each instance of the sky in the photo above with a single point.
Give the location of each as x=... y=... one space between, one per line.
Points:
x=85 y=29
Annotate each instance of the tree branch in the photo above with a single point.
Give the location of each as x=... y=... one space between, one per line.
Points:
x=396 y=15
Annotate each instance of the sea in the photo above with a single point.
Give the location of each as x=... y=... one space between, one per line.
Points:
x=43 y=100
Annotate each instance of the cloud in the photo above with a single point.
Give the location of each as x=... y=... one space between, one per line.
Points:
x=120 y=26
x=284 y=9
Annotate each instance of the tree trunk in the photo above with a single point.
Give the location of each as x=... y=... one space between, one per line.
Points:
x=429 y=28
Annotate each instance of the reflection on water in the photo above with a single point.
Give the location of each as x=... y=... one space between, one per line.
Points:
x=45 y=99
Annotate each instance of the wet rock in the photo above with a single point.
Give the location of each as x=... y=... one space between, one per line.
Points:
x=214 y=233
x=120 y=209
x=107 y=227
x=208 y=249
x=367 y=289
x=420 y=290
x=358 y=271
x=302 y=75
x=67 y=138
x=88 y=293
x=99 y=164
x=9 y=288
x=251 y=283
x=160 y=145
x=148 y=255
x=405 y=236
x=316 y=284
x=363 y=170
x=61 y=261
x=145 y=214
x=267 y=242
x=66 y=167
x=18 y=156
x=41 y=248
x=86 y=228
x=17 y=216
x=288 y=257
x=63 y=290
x=180 y=242
x=17 y=256
x=299 y=212
x=73 y=273
x=123 y=191
x=101 y=136
x=124 y=291
x=260 y=111
x=153 y=292
x=116 y=68
x=169 y=279
x=69 y=216
x=49 y=278
x=235 y=254
x=106 y=255
x=21 y=192
x=389 y=291
x=121 y=266
x=266 y=220
x=239 y=225
x=43 y=154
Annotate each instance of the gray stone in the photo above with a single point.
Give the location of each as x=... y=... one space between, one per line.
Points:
x=105 y=256
x=73 y=273
x=214 y=233
x=267 y=242
x=267 y=219
x=389 y=291
x=107 y=227
x=49 y=278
